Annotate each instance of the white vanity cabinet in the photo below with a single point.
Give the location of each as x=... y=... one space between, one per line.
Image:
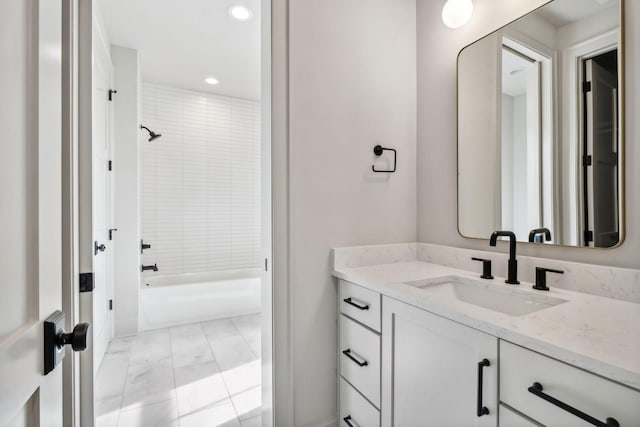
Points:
x=555 y=393
x=359 y=356
x=436 y=372
x=401 y=365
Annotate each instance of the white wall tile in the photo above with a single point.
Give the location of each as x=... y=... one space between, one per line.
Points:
x=200 y=182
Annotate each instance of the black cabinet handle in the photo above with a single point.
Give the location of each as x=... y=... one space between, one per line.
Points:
x=537 y=388
x=347 y=420
x=347 y=353
x=350 y=302
x=481 y=410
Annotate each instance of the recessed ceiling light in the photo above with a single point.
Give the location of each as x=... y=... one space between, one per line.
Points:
x=211 y=80
x=241 y=13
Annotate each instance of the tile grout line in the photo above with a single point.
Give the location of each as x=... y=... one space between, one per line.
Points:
x=235 y=411
x=259 y=356
x=126 y=377
x=253 y=352
x=173 y=374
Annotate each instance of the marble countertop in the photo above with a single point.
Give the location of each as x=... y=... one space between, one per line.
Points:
x=600 y=335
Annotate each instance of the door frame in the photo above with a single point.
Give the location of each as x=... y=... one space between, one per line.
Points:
x=277 y=350
x=573 y=132
x=70 y=277
x=76 y=214
x=276 y=23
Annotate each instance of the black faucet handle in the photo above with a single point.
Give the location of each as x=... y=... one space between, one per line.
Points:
x=541 y=278
x=486 y=267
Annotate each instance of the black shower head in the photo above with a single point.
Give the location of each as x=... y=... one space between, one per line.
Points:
x=152 y=134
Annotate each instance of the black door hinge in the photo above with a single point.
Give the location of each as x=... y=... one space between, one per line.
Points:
x=110 y=304
x=586 y=160
x=111 y=92
x=266 y=268
x=86 y=282
x=586 y=86
x=110 y=164
x=588 y=236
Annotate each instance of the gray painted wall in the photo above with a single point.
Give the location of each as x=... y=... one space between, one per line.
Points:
x=438 y=47
x=352 y=85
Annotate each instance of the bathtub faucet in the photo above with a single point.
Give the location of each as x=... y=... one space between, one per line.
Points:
x=153 y=267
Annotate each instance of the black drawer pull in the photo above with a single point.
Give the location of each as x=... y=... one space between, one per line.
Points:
x=536 y=389
x=347 y=420
x=350 y=302
x=481 y=410
x=347 y=353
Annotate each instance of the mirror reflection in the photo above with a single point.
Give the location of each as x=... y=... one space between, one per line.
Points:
x=539 y=147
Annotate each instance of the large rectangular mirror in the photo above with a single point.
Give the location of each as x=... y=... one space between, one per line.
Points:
x=539 y=127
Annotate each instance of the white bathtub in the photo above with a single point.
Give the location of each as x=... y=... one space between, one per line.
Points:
x=188 y=298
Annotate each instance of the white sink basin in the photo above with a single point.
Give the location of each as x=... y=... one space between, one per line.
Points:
x=504 y=299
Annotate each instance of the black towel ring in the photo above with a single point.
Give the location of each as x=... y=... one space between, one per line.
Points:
x=378 y=150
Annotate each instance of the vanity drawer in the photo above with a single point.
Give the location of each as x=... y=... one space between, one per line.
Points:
x=600 y=398
x=355 y=409
x=509 y=418
x=361 y=304
x=360 y=358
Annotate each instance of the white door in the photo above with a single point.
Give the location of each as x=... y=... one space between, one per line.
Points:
x=30 y=208
x=431 y=370
x=102 y=203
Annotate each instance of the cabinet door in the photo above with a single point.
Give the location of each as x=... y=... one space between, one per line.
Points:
x=430 y=370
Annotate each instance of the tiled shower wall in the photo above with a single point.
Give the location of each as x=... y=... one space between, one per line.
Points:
x=200 y=182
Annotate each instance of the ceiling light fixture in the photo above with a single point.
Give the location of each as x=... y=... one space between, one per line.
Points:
x=211 y=81
x=241 y=13
x=456 y=13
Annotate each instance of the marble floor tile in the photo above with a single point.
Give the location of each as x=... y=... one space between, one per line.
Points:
x=199 y=386
x=231 y=352
x=163 y=414
x=170 y=377
x=107 y=411
x=188 y=330
x=111 y=376
x=251 y=323
x=256 y=345
x=151 y=347
x=190 y=348
x=243 y=377
x=221 y=328
x=221 y=414
x=248 y=403
x=149 y=383
x=252 y=422
x=121 y=346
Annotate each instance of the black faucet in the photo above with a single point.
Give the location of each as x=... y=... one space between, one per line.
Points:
x=512 y=274
x=533 y=233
